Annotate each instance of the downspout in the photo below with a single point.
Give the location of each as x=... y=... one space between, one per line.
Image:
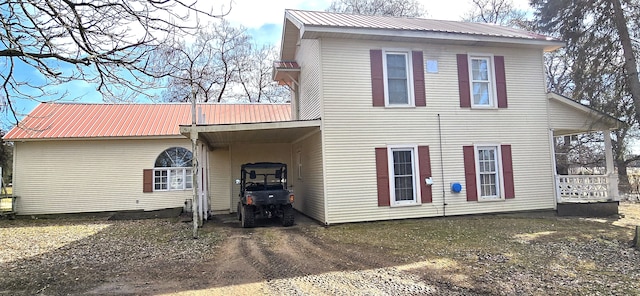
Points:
x=444 y=192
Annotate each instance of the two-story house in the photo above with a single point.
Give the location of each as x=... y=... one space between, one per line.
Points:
x=390 y=118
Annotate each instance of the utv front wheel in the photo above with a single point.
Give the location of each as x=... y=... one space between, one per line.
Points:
x=248 y=217
x=239 y=212
x=287 y=215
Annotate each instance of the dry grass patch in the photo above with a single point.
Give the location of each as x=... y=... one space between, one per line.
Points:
x=508 y=255
x=51 y=256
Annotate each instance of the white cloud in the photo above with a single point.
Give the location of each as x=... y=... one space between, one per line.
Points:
x=254 y=14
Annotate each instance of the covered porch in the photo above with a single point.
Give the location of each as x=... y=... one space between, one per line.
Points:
x=223 y=148
x=573 y=191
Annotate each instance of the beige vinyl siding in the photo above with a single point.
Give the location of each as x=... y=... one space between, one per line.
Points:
x=353 y=129
x=308 y=57
x=220 y=182
x=309 y=188
x=564 y=117
x=242 y=153
x=90 y=176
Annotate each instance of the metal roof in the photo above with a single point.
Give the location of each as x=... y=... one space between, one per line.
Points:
x=73 y=120
x=301 y=24
x=341 y=20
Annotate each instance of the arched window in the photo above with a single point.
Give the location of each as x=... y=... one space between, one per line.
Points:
x=173 y=170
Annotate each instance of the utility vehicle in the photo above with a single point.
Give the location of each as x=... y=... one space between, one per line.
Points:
x=264 y=193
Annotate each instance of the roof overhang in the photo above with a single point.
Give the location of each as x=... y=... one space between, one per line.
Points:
x=286 y=72
x=594 y=120
x=222 y=135
x=34 y=139
x=294 y=30
x=313 y=32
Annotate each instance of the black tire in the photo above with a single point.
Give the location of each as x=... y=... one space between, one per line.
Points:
x=239 y=212
x=248 y=217
x=287 y=216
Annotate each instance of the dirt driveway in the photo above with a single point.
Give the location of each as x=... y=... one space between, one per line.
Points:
x=272 y=260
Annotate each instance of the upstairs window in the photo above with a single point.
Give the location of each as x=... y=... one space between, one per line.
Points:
x=481 y=82
x=397 y=77
x=173 y=170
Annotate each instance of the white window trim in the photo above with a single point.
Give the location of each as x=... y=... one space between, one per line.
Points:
x=168 y=169
x=411 y=92
x=500 y=178
x=493 y=98
x=416 y=176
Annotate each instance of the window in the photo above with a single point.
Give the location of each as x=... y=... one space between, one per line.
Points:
x=481 y=81
x=299 y=158
x=398 y=79
x=488 y=172
x=402 y=172
x=173 y=170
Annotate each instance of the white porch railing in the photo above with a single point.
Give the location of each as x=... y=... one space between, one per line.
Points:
x=584 y=188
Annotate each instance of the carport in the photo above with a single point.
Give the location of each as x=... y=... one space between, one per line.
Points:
x=222 y=148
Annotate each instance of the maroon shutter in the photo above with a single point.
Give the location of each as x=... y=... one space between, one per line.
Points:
x=418 y=78
x=470 y=172
x=463 y=81
x=382 y=172
x=425 y=172
x=377 y=77
x=507 y=172
x=147 y=180
x=501 y=82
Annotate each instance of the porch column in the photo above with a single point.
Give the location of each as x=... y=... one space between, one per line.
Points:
x=552 y=143
x=611 y=173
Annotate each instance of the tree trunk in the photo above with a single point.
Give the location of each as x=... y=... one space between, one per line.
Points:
x=623 y=179
x=630 y=63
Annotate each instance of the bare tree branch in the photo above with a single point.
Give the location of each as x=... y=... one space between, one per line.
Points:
x=403 y=8
x=106 y=42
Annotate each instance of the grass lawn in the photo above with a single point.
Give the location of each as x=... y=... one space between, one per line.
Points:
x=511 y=254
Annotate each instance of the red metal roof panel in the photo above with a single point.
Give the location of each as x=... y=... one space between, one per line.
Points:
x=73 y=120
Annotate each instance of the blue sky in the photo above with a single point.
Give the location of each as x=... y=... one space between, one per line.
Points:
x=262 y=19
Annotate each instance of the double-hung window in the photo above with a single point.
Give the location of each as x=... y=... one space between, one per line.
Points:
x=173 y=170
x=403 y=175
x=172 y=179
x=482 y=85
x=398 y=78
x=488 y=172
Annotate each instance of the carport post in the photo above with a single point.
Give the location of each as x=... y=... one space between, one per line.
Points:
x=194 y=180
x=194 y=163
